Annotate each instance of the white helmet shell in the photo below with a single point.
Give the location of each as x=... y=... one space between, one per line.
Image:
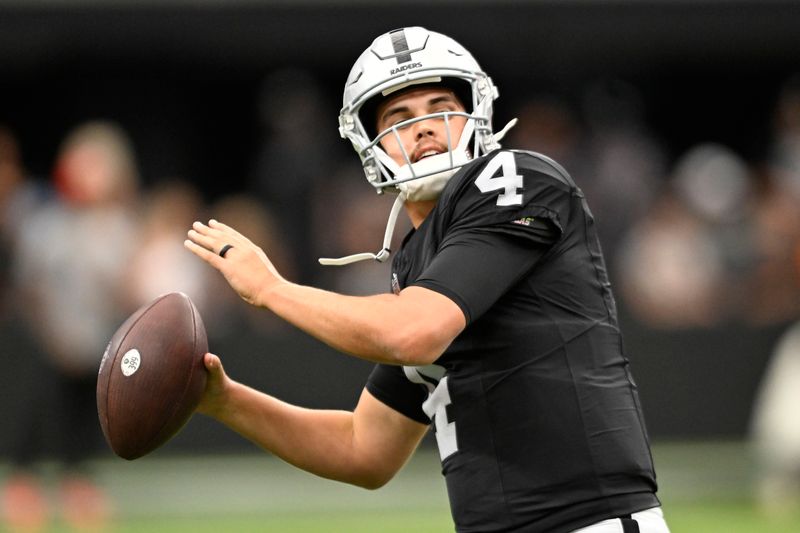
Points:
x=402 y=58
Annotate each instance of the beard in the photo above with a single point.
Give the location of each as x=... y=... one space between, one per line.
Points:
x=427 y=188
x=430 y=186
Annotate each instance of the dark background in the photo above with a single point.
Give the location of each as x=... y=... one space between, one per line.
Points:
x=184 y=77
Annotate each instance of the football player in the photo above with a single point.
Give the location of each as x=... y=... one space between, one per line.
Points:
x=500 y=331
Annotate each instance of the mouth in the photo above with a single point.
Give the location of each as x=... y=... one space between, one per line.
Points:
x=426 y=151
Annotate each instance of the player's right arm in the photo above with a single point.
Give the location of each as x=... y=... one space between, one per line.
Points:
x=366 y=447
x=411 y=328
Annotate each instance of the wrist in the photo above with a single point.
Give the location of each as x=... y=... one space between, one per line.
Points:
x=219 y=405
x=267 y=294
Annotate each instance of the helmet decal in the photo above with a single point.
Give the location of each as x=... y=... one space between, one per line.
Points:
x=400 y=46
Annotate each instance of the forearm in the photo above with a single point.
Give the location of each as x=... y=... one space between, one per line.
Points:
x=377 y=328
x=318 y=441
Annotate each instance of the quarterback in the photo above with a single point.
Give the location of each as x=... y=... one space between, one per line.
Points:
x=500 y=330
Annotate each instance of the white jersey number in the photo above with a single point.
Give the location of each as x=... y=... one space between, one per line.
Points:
x=436 y=408
x=508 y=180
x=433 y=378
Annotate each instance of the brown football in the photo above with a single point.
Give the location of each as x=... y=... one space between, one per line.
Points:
x=152 y=376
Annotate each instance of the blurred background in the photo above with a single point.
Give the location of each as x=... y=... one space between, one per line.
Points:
x=122 y=121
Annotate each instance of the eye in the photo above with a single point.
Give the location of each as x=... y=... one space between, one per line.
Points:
x=446 y=108
x=393 y=120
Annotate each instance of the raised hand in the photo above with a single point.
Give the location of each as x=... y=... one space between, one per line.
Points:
x=245 y=266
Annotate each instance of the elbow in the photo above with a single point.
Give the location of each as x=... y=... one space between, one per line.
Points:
x=373 y=479
x=373 y=484
x=417 y=346
x=425 y=324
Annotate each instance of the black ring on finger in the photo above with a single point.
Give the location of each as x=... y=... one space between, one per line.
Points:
x=225 y=249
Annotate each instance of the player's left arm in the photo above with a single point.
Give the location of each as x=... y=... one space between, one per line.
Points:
x=410 y=328
x=366 y=447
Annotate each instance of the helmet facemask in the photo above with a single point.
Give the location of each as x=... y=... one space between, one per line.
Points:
x=430 y=173
x=425 y=178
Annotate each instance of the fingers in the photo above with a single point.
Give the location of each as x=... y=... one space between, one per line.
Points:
x=227 y=231
x=213 y=223
x=198 y=234
x=202 y=252
x=206 y=236
x=218 y=230
x=212 y=238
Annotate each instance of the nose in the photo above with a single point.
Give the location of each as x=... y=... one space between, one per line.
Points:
x=423 y=128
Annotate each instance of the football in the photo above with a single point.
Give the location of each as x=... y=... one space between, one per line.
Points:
x=152 y=376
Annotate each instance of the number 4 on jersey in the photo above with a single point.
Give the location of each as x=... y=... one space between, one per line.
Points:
x=508 y=180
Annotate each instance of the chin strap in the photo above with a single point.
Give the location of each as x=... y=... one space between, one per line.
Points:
x=502 y=133
x=497 y=137
x=382 y=255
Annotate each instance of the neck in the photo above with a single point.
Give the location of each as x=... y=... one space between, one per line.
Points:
x=417 y=211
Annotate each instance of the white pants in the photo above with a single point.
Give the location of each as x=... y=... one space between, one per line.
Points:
x=650 y=521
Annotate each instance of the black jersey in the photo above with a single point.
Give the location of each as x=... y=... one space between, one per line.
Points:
x=536 y=415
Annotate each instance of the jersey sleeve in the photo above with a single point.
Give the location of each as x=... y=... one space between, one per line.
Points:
x=498 y=228
x=476 y=269
x=508 y=192
x=391 y=387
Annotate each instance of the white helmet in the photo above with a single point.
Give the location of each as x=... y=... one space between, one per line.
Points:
x=394 y=61
x=397 y=60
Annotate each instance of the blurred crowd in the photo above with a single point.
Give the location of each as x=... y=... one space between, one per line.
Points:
x=692 y=240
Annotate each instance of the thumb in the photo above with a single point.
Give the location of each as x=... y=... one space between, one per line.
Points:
x=213 y=397
x=214 y=365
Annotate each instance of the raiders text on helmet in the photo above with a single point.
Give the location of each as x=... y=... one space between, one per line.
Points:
x=403 y=68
